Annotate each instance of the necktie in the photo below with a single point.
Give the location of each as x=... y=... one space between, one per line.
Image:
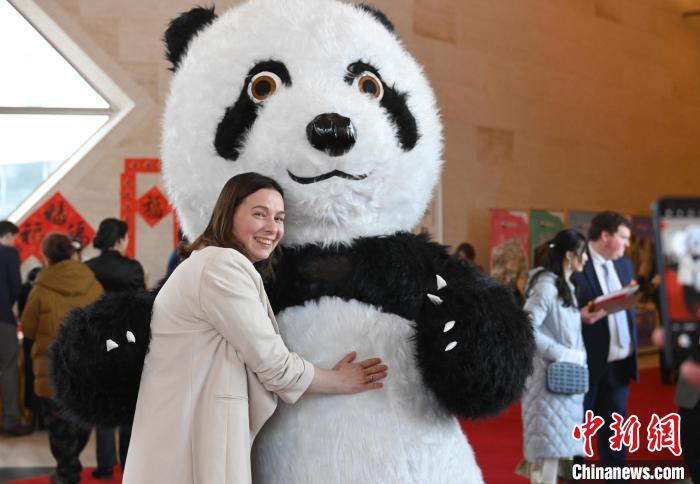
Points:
x=623 y=332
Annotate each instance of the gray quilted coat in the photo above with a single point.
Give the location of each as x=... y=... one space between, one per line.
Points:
x=548 y=418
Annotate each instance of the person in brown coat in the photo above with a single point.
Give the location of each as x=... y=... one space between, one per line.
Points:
x=64 y=284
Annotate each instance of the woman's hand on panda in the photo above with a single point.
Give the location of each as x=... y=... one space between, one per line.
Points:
x=348 y=377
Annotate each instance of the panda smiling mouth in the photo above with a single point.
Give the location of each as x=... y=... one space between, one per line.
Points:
x=313 y=179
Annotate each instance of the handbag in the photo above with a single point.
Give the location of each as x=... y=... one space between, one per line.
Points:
x=567 y=378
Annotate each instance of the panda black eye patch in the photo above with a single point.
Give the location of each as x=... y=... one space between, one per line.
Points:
x=239 y=118
x=393 y=101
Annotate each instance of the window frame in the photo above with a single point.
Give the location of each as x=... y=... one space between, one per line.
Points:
x=120 y=103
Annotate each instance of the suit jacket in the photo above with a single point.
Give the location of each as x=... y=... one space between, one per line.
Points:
x=10 y=282
x=215 y=362
x=596 y=336
x=116 y=272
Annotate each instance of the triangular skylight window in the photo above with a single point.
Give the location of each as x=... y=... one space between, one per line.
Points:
x=48 y=110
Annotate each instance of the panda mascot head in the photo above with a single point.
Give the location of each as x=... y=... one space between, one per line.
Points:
x=317 y=94
x=692 y=241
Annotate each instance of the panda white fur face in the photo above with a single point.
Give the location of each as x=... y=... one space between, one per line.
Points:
x=317 y=51
x=693 y=240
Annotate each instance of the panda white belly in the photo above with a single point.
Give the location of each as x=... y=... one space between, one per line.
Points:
x=397 y=434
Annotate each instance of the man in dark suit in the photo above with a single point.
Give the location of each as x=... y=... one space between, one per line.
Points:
x=10 y=282
x=611 y=340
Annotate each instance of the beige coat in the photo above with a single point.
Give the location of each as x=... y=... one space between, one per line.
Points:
x=216 y=361
x=58 y=289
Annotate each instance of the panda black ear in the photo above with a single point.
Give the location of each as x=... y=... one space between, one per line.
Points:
x=379 y=15
x=182 y=29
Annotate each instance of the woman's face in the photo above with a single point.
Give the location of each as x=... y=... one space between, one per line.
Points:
x=258 y=223
x=578 y=261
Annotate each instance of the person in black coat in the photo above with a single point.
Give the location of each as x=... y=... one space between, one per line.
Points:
x=10 y=281
x=116 y=273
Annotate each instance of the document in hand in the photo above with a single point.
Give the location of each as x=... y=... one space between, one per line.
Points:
x=616 y=301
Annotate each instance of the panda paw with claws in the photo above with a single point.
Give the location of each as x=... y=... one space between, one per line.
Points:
x=474 y=344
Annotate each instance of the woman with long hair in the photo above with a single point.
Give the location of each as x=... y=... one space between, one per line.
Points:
x=549 y=418
x=216 y=362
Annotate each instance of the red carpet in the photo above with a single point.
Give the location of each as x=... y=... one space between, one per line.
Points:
x=497 y=442
x=85 y=478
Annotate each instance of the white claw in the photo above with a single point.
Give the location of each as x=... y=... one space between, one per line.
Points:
x=111 y=345
x=440 y=281
x=450 y=346
x=130 y=337
x=448 y=326
x=434 y=299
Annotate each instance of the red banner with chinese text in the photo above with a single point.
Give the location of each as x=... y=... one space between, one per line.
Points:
x=56 y=215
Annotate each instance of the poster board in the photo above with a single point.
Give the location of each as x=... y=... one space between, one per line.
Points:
x=543 y=226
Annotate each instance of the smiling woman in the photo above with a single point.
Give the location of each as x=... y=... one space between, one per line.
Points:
x=258 y=224
x=214 y=310
x=249 y=217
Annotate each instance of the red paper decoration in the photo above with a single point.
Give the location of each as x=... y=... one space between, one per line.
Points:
x=56 y=215
x=153 y=206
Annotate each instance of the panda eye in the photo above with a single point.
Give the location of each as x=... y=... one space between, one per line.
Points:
x=263 y=85
x=370 y=84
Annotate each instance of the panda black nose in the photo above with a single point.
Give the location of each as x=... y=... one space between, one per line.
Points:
x=331 y=133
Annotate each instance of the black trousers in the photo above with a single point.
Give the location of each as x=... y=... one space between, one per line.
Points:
x=605 y=396
x=67 y=440
x=690 y=439
x=106 y=449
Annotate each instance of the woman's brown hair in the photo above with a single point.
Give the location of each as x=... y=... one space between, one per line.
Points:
x=57 y=247
x=219 y=231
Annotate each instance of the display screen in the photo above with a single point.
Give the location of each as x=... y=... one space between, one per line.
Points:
x=680 y=246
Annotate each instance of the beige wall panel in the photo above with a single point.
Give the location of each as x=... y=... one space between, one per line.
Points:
x=104 y=32
x=140 y=40
x=435 y=19
x=121 y=9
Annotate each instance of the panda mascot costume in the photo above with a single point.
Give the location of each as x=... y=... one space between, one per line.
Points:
x=322 y=96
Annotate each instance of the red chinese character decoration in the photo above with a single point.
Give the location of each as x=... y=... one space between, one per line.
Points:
x=587 y=431
x=153 y=206
x=56 y=215
x=664 y=433
x=625 y=432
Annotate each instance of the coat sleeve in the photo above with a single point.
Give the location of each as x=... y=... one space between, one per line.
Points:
x=14 y=279
x=30 y=315
x=137 y=280
x=230 y=301
x=539 y=303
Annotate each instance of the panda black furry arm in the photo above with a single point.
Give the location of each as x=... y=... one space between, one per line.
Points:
x=474 y=344
x=97 y=358
x=483 y=372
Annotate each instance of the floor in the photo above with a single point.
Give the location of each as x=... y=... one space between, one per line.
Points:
x=497 y=442
x=28 y=456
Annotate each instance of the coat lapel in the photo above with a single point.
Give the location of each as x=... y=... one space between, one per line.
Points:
x=592 y=277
